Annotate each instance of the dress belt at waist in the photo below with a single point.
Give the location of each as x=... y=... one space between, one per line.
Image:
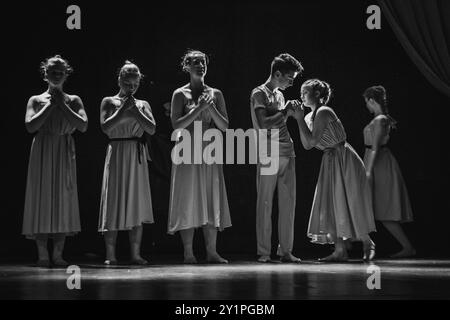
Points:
x=49 y=133
x=342 y=143
x=141 y=143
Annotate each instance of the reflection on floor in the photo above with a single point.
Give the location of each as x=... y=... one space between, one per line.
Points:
x=397 y=279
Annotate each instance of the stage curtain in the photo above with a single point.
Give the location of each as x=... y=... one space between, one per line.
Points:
x=423 y=29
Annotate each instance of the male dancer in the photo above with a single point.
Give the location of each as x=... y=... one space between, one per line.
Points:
x=269 y=111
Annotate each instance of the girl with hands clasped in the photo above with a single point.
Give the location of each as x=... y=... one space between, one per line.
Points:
x=341 y=207
x=126 y=199
x=390 y=198
x=198 y=196
x=51 y=199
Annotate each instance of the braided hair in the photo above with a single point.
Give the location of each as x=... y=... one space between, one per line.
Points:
x=323 y=88
x=378 y=93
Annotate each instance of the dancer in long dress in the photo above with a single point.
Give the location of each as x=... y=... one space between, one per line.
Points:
x=51 y=199
x=126 y=200
x=390 y=198
x=341 y=209
x=198 y=196
x=269 y=111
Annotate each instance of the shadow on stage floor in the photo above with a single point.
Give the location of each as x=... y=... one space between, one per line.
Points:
x=241 y=279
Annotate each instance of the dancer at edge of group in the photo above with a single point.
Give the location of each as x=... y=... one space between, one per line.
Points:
x=390 y=199
x=126 y=198
x=269 y=111
x=198 y=196
x=51 y=199
x=342 y=208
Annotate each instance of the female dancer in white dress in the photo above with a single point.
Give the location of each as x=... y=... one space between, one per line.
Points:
x=390 y=198
x=341 y=208
x=51 y=199
x=126 y=200
x=198 y=196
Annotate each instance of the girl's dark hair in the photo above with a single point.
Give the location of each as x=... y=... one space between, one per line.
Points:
x=55 y=60
x=130 y=68
x=320 y=86
x=378 y=93
x=186 y=59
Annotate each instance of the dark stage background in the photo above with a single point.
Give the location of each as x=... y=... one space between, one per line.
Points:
x=330 y=39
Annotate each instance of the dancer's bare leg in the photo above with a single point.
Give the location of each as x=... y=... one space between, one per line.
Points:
x=135 y=236
x=397 y=231
x=187 y=236
x=110 y=244
x=41 y=244
x=339 y=254
x=289 y=257
x=58 y=248
x=210 y=235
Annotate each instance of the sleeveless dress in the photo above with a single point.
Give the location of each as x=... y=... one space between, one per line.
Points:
x=389 y=194
x=342 y=205
x=126 y=197
x=51 y=198
x=198 y=195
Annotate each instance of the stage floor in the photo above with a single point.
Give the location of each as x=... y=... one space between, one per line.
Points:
x=240 y=280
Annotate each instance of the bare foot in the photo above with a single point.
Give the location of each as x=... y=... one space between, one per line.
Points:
x=215 y=258
x=60 y=262
x=43 y=264
x=335 y=257
x=288 y=257
x=404 y=253
x=190 y=260
x=264 y=259
x=110 y=262
x=139 y=261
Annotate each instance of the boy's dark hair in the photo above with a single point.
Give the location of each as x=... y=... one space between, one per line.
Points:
x=285 y=63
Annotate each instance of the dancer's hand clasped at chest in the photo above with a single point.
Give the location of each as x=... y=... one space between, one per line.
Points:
x=58 y=98
x=128 y=103
x=205 y=101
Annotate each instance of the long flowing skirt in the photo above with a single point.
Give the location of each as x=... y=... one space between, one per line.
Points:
x=198 y=197
x=389 y=194
x=51 y=198
x=126 y=197
x=342 y=204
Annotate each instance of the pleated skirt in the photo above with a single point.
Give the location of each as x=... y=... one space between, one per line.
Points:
x=126 y=196
x=198 y=197
x=342 y=205
x=51 y=197
x=389 y=194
